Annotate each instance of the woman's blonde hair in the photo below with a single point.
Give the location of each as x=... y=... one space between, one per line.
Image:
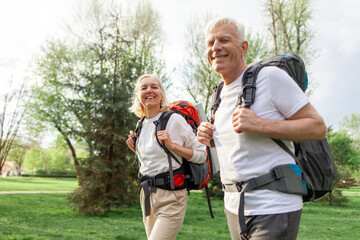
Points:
x=137 y=107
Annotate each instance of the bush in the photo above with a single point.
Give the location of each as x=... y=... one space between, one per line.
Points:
x=41 y=172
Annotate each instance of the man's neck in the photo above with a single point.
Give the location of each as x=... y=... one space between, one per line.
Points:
x=230 y=78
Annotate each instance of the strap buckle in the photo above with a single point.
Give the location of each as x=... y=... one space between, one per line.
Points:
x=240 y=186
x=277 y=173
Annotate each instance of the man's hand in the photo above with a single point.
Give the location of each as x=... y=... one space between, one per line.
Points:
x=245 y=120
x=205 y=133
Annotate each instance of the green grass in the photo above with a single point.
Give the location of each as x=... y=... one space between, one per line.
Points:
x=321 y=221
x=48 y=216
x=37 y=184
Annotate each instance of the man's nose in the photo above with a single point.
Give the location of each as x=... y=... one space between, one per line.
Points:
x=217 y=45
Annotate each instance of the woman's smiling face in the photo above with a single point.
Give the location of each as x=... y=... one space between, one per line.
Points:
x=150 y=93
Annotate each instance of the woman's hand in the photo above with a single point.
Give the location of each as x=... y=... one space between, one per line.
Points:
x=164 y=138
x=130 y=141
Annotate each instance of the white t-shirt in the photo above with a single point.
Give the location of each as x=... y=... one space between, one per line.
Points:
x=244 y=156
x=153 y=159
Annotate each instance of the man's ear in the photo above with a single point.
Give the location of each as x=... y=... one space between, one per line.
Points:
x=244 y=48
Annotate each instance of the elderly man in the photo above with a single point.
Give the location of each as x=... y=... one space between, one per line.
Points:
x=243 y=136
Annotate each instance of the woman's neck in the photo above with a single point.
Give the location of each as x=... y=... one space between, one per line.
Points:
x=152 y=112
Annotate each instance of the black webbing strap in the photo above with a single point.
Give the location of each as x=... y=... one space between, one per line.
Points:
x=251 y=184
x=215 y=103
x=147 y=189
x=208 y=201
x=138 y=130
x=172 y=185
x=149 y=184
x=285 y=148
x=158 y=126
x=249 y=86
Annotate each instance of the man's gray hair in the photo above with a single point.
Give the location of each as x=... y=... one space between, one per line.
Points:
x=240 y=33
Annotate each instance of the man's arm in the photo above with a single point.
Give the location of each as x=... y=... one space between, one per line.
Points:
x=305 y=124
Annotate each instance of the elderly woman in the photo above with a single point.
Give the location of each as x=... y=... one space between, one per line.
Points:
x=164 y=215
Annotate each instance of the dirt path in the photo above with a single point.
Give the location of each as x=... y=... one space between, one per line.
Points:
x=22 y=192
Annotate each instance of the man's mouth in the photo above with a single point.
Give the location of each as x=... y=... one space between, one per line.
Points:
x=219 y=57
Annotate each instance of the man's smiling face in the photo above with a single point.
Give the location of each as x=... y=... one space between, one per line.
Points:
x=224 y=49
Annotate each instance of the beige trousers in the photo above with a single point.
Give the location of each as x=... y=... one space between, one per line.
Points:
x=167 y=213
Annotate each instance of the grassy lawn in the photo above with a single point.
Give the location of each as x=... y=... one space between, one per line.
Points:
x=321 y=221
x=37 y=184
x=48 y=216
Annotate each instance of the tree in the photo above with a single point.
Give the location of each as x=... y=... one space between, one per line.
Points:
x=257 y=48
x=347 y=160
x=85 y=94
x=345 y=154
x=199 y=78
x=352 y=126
x=17 y=155
x=11 y=115
x=33 y=159
x=289 y=27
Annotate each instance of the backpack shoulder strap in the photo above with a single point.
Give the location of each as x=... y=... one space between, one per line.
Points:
x=249 y=85
x=138 y=130
x=215 y=100
x=160 y=125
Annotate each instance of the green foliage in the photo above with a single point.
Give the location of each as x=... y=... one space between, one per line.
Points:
x=352 y=126
x=33 y=159
x=17 y=156
x=343 y=150
x=58 y=160
x=215 y=187
x=85 y=93
x=257 y=48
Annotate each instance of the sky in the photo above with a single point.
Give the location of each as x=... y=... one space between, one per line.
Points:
x=26 y=24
